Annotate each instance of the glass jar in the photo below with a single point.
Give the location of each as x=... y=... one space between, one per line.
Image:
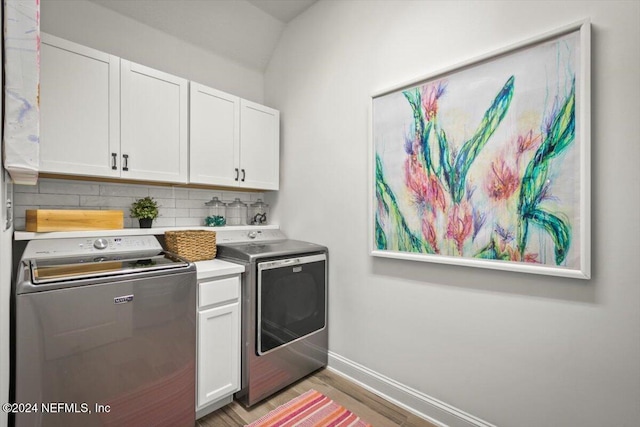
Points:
x=258 y=213
x=236 y=213
x=217 y=213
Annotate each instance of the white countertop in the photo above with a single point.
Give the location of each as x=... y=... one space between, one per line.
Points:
x=28 y=235
x=216 y=268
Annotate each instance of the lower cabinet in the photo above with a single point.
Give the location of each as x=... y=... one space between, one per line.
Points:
x=218 y=353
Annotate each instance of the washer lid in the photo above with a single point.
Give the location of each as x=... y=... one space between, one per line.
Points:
x=266 y=249
x=73 y=268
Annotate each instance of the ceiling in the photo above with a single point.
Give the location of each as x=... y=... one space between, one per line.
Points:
x=246 y=31
x=283 y=10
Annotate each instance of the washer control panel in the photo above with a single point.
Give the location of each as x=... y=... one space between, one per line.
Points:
x=100 y=243
x=46 y=248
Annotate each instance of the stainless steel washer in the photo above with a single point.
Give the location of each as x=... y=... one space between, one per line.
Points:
x=284 y=309
x=104 y=334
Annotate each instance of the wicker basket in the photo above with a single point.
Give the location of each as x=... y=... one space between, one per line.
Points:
x=194 y=245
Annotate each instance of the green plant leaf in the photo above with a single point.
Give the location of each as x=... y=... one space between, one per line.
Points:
x=415 y=100
x=404 y=238
x=470 y=150
x=381 y=238
x=562 y=131
x=445 y=172
x=426 y=149
x=423 y=131
x=492 y=251
x=560 y=135
x=488 y=252
x=145 y=208
x=557 y=228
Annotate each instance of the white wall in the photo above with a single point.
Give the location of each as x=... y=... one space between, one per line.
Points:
x=100 y=28
x=512 y=349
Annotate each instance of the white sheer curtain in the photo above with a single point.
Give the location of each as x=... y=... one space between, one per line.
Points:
x=21 y=90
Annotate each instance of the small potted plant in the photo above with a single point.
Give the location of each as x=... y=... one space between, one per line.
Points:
x=146 y=210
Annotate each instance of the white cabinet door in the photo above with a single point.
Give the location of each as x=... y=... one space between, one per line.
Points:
x=79 y=109
x=259 y=146
x=218 y=353
x=153 y=143
x=214 y=136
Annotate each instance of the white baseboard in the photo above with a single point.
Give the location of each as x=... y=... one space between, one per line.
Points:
x=414 y=401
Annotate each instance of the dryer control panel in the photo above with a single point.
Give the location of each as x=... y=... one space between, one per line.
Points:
x=239 y=236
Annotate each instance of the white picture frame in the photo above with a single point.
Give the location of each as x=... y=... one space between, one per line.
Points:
x=487 y=163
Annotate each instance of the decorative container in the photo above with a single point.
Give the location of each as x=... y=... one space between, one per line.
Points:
x=236 y=213
x=258 y=213
x=145 y=222
x=217 y=213
x=193 y=245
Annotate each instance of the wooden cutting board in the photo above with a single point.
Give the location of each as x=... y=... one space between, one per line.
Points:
x=40 y=220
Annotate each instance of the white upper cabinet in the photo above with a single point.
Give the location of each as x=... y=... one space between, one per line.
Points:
x=259 y=146
x=214 y=137
x=104 y=116
x=107 y=117
x=233 y=142
x=154 y=115
x=79 y=109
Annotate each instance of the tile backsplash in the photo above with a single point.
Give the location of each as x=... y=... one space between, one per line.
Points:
x=178 y=206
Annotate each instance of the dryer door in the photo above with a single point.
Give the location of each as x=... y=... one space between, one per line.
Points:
x=292 y=300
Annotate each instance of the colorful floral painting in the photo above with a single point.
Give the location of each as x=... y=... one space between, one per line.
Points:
x=484 y=162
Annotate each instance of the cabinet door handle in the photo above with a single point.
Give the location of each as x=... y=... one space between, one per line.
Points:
x=125 y=167
x=243 y=175
x=237 y=174
x=114 y=159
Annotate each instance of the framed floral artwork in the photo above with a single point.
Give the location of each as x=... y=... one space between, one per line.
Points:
x=487 y=163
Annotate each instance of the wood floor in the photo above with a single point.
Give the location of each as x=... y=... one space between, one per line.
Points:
x=368 y=406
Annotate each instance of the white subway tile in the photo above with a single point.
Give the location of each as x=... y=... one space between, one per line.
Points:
x=164 y=222
x=197 y=194
x=166 y=203
x=199 y=213
x=17 y=188
x=68 y=187
x=103 y=201
x=78 y=181
x=189 y=222
x=136 y=191
x=19 y=224
x=181 y=213
x=181 y=193
x=161 y=192
x=190 y=204
x=46 y=199
x=167 y=212
x=58 y=207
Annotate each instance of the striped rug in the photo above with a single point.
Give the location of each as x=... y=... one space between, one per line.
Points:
x=311 y=409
